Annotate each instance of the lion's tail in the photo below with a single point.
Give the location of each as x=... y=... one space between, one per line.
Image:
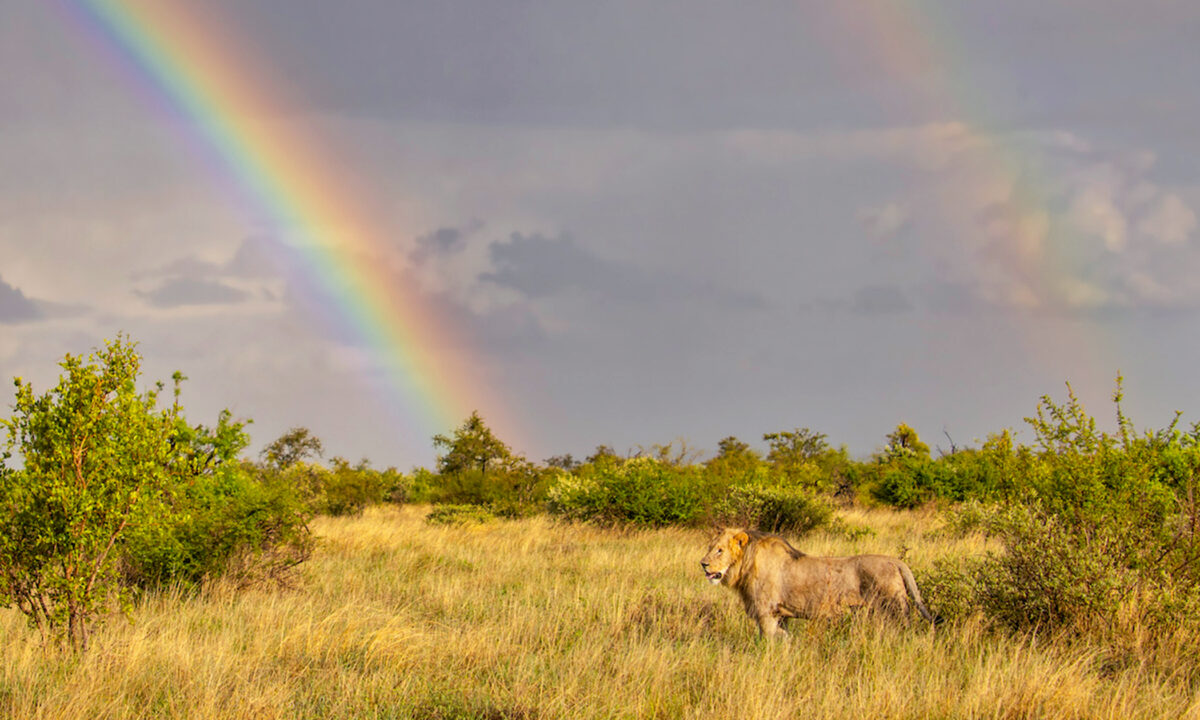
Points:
x=910 y=583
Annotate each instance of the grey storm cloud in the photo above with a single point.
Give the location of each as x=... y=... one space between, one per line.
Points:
x=178 y=292
x=15 y=307
x=440 y=242
x=539 y=267
x=255 y=257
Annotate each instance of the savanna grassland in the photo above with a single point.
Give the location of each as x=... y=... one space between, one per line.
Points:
x=393 y=617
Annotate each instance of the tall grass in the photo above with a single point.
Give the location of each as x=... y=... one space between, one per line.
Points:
x=396 y=618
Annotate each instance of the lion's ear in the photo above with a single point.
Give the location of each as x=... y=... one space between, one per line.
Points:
x=741 y=539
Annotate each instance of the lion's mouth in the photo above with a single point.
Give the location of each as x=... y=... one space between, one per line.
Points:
x=714 y=577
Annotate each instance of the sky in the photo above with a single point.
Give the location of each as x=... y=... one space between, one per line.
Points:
x=640 y=222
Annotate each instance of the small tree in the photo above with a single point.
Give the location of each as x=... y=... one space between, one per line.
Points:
x=92 y=448
x=602 y=453
x=795 y=447
x=293 y=446
x=734 y=459
x=472 y=447
x=904 y=442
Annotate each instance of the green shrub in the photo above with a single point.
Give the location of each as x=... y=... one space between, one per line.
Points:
x=1091 y=521
x=459 y=515
x=639 y=491
x=342 y=489
x=348 y=490
x=230 y=522
x=93 y=451
x=117 y=495
x=951 y=589
x=774 y=509
x=906 y=483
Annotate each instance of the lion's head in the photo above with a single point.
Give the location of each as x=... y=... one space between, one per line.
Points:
x=724 y=552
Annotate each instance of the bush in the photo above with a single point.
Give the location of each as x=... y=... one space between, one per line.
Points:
x=775 y=509
x=349 y=490
x=116 y=495
x=342 y=489
x=907 y=483
x=232 y=522
x=1091 y=522
x=459 y=515
x=640 y=491
x=93 y=451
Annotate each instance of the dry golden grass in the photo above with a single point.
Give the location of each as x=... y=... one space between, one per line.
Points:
x=532 y=619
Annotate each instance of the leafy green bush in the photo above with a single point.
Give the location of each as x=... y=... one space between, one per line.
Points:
x=774 y=509
x=639 y=491
x=1092 y=521
x=907 y=479
x=348 y=490
x=459 y=515
x=907 y=482
x=234 y=522
x=116 y=495
x=93 y=450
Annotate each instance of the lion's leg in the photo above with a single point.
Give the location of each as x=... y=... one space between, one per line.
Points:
x=770 y=627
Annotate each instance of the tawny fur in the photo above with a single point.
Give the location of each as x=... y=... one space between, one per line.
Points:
x=777 y=582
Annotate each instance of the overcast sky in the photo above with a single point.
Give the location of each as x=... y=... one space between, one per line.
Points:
x=652 y=220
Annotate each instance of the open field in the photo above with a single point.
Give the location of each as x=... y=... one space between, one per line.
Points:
x=393 y=618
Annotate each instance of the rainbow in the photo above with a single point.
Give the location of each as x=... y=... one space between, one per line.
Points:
x=209 y=80
x=1035 y=271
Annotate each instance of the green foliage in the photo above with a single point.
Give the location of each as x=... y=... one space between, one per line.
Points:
x=341 y=489
x=563 y=462
x=472 y=447
x=775 y=509
x=344 y=489
x=423 y=485
x=116 y=495
x=649 y=492
x=803 y=458
x=905 y=478
x=477 y=468
x=93 y=449
x=1091 y=521
x=459 y=515
x=735 y=461
x=520 y=482
x=676 y=452
x=640 y=491
x=903 y=442
x=294 y=446
x=795 y=447
x=234 y=521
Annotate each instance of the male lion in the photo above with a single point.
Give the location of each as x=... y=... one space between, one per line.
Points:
x=777 y=582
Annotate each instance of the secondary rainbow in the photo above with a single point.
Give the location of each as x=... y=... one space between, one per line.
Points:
x=208 y=78
x=917 y=45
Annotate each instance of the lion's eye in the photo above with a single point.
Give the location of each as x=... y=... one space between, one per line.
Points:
x=720 y=550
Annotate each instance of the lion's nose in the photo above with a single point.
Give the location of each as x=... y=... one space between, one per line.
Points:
x=704 y=564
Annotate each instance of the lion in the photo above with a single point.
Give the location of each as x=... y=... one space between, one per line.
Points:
x=777 y=582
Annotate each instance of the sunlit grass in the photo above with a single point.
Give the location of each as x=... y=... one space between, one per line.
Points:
x=394 y=618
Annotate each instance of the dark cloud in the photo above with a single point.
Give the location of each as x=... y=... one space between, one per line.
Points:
x=440 y=242
x=15 y=307
x=256 y=256
x=539 y=267
x=177 y=292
